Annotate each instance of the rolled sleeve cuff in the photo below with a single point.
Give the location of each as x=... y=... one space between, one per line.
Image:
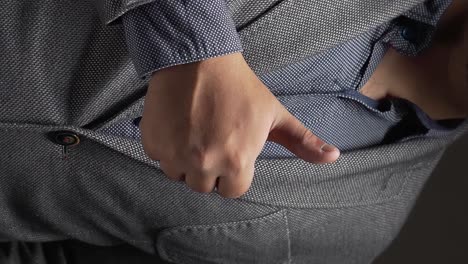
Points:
x=168 y=33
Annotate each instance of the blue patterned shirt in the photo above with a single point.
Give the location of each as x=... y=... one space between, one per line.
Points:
x=161 y=35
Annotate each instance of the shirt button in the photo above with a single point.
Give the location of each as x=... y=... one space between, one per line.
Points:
x=65 y=138
x=413 y=32
x=409 y=34
x=136 y=121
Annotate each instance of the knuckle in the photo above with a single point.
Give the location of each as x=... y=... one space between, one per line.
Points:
x=201 y=160
x=239 y=188
x=200 y=187
x=237 y=162
x=308 y=136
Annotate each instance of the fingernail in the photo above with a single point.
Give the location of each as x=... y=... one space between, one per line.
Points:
x=328 y=148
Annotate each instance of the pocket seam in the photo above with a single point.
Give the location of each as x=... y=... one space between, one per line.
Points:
x=279 y=214
x=347 y=204
x=258 y=17
x=242 y=223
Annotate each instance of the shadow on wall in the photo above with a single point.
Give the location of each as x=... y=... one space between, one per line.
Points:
x=437 y=229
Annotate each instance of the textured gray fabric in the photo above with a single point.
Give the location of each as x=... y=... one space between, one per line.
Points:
x=321 y=91
x=62 y=69
x=259 y=21
x=167 y=33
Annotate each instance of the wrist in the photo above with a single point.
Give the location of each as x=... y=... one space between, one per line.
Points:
x=210 y=66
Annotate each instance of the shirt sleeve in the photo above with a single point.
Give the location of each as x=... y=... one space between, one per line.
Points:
x=168 y=33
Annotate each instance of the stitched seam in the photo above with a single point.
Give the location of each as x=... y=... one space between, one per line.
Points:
x=342 y=204
x=87 y=234
x=335 y=114
x=259 y=17
x=404 y=181
x=288 y=234
x=125 y=9
x=268 y=218
x=194 y=58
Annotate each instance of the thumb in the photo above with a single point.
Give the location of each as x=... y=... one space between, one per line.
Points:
x=289 y=132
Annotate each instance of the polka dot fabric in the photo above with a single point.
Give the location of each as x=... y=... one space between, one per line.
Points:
x=167 y=33
x=322 y=91
x=63 y=70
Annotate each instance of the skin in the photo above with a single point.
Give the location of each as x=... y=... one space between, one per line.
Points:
x=436 y=80
x=207 y=122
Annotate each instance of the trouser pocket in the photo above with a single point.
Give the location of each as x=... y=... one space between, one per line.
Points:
x=259 y=240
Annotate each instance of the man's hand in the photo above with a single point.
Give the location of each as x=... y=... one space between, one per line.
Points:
x=207 y=122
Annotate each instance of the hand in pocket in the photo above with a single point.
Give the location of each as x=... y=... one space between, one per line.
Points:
x=207 y=122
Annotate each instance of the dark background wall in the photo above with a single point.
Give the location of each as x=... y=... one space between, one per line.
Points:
x=437 y=229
